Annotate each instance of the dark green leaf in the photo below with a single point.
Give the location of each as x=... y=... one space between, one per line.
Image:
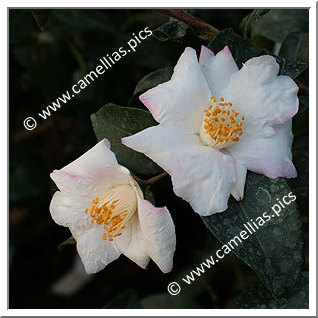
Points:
x=258 y=297
x=248 y=23
x=296 y=47
x=166 y=301
x=69 y=241
x=290 y=68
x=151 y=80
x=41 y=17
x=274 y=252
x=146 y=190
x=300 y=185
x=278 y=23
x=172 y=30
x=241 y=49
x=126 y=300
x=115 y=122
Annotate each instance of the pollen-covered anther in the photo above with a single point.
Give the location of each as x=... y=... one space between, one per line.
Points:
x=113 y=210
x=222 y=125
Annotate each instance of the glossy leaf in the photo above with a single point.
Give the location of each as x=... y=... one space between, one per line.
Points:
x=290 y=68
x=274 y=251
x=151 y=80
x=248 y=23
x=115 y=122
x=296 y=47
x=278 y=23
x=241 y=49
x=258 y=297
x=172 y=30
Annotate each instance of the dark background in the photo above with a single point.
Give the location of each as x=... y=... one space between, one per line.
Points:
x=44 y=64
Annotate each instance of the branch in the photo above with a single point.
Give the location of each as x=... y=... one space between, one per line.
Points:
x=155 y=179
x=152 y=180
x=191 y=20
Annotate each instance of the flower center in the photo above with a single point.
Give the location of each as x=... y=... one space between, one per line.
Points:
x=113 y=210
x=221 y=125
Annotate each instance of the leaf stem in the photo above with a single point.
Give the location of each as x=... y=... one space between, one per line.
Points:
x=191 y=20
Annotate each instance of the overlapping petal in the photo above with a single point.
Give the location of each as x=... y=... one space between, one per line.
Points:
x=133 y=245
x=217 y=69
x=158 y=233
x=260 y=95
x=179 y=103
x=68 y=211
x=99 y=163
x=200 y=174
x=91 y=176
x=93 y=250
x=270 y=155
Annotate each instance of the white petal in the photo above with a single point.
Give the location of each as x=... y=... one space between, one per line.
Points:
x=68 y=210
x=237 y=187
x=263 y=98
x=158 y=232
x=200 y=174
x=95 y=252
x=217 y=69
x=180 y=102
x=80 y=186
x=98 y=163
x=133 y=246
x=268 y=155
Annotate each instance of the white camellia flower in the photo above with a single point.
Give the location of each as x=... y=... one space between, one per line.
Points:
x=217 y=121
x=105 y=211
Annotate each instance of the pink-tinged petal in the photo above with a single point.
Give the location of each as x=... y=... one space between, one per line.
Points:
x=200 y=175
x=158 y=232
x=260 y=95
x=97 y=163
x=179 y=103
x=205 y=56
x=268 y=155
x=133 y=246
x=80 y=186
x=95 y=252
x=217 y=69
x=68 y=211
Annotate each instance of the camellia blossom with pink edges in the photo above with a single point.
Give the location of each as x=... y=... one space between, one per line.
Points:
x=106 y=213
x=215 y=122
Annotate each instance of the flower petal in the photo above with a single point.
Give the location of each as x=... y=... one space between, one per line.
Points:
x=268 y=155
x=200 y=175
x=80 y=186
x=217 y=69
x=133 y=246
x=180 y=101
x=68 y=210
x=263 y=98
x=98 y=163
x=159 y=234
x=95 y=252
x=237 y=187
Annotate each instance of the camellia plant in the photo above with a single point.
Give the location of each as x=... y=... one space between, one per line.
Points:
x=221 y=124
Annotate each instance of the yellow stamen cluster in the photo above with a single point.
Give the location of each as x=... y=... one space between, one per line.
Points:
x=113 y=210
x=221 y=125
